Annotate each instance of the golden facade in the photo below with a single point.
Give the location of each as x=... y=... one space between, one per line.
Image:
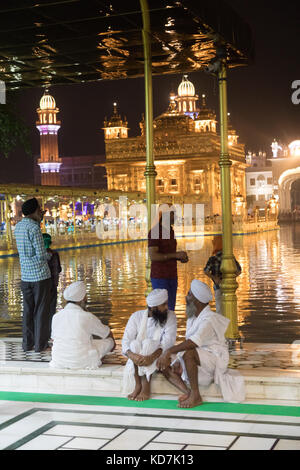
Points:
x=186 y=151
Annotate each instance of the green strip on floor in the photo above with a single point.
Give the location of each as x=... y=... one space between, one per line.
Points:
x=153 y=403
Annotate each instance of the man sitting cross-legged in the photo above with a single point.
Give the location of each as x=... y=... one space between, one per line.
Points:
x=73 y=329
x=147 y=334
x=203 y=357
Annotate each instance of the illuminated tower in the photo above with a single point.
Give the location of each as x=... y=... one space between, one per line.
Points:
x=115 y=127
x=205 y=121
x=48 y=127
x=186 y=99
x=232 y=136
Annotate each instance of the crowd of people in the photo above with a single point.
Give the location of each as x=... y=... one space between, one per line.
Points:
x=149 y=340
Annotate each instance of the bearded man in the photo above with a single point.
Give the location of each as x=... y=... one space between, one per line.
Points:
x=147 y=335
x=203 y=357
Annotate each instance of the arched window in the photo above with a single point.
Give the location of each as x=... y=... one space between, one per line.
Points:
x=184 y=106
x=261 y=180
x=45 y=118
x=50 y=118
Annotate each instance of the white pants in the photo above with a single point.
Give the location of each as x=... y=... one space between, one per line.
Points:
x=205 y=370
x=74 y=356
x=145 y=348
x=103 y=347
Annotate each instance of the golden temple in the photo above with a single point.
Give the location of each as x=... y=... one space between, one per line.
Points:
x=186 y=151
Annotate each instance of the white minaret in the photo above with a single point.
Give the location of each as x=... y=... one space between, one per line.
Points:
x=48 y=126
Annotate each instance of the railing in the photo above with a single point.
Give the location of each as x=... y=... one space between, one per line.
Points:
x=100 y=233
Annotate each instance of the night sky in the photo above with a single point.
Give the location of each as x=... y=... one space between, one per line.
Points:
x=259 y=96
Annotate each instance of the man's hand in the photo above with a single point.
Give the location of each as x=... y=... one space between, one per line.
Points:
x=147 y=360
x=182 y=256
x=137 y=359
x=114 y=346
x=217 y=280
x=163 y=362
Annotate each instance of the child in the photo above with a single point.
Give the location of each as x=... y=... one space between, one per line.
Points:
x=55 y=268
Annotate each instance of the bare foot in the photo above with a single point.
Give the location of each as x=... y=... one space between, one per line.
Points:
x=135 y=393
x=191 y=401
x=184 y=397
x=143 y=396
x=145 y=392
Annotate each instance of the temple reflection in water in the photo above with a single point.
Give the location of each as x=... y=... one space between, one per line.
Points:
x=268 y=293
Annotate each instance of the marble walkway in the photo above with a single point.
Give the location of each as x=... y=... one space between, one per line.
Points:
x=41 y=424
x=59 y=426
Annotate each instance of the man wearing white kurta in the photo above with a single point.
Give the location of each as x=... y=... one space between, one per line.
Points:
x=148 y=333
x=72 y=331
x=203 y=357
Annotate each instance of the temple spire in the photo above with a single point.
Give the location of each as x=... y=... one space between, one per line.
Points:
x=115 y=127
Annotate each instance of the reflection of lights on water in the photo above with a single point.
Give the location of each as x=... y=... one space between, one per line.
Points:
x=111 y=291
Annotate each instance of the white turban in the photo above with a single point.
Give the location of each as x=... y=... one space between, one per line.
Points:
x=157 y=297
x=201 y=291
x=75 y=292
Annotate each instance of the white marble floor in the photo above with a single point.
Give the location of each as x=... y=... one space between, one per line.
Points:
x=56 y=426
x=255 y=356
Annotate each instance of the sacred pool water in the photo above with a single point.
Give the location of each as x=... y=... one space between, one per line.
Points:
x=268 y=293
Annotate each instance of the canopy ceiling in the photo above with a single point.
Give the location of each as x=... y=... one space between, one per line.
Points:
x=48 y=42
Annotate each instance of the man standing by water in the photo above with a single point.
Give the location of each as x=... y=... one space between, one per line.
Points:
x=35 y=277
x=162 y=247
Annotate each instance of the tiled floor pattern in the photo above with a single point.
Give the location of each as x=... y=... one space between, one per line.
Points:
x=252 y=356
x=37 y=426
x=11 y=350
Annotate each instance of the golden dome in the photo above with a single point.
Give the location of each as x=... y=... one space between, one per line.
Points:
x=47 y=101
x=186 y=88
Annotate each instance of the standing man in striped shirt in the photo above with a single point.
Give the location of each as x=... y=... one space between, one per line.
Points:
x=35 y=277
